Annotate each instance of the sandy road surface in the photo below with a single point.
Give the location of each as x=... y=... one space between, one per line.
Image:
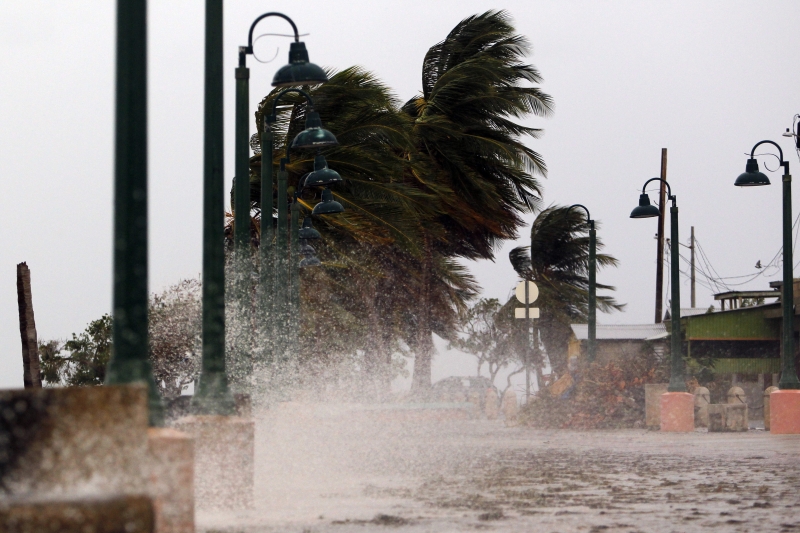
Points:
x=324 y=469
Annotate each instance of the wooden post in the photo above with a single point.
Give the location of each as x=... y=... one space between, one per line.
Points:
x=694 y=301
x=27 y=329
x=662 y=202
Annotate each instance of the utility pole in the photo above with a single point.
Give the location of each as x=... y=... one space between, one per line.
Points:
x=691 y=248
x=660 y=238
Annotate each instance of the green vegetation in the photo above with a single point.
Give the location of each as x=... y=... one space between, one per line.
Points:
x=175 y=318
x=443 y=177
x=81 y=360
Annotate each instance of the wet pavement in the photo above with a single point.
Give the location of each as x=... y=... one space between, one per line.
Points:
x=332 y=469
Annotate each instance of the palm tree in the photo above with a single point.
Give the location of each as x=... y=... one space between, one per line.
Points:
x=443 y=177
x=558 y=261
x=468 y=147
x=372 y=251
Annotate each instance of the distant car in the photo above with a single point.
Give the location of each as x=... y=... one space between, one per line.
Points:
x=463 y=389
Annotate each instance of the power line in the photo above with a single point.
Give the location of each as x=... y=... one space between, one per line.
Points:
x=700 y=281
x=774 y=263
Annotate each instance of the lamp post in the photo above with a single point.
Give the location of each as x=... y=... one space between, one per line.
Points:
x=592 y=347
x=677 y=382
x=130 y=362
x=212 y=395
x=298 y=72
x=752 y=177
x=280 y=295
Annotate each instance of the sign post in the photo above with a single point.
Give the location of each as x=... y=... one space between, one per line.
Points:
x=527 y=292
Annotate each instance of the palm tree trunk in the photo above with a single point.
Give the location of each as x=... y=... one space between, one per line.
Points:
x=385 y=310
x=421 y=379
x=373 y=353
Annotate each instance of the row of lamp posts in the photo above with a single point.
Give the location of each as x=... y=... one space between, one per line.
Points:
x=279 y=304
x=752 y=177
x=280 y=247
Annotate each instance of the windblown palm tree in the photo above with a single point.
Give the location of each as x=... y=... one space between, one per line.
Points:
x=475 y=83
x=445 y=176
x=372 y=251
x=558 y=261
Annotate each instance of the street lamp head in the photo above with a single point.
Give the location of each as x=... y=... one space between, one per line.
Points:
x=310 y=262
x=751 y=177
x=322 y=175
x=314 y=136
x=299 y=71
x=645 y=209
x=308 y=253
x=788 y=133
x=328 y=206
x=308 y=231
x=306 y=250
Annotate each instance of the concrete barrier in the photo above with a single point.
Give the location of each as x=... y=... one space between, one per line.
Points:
x=785 y=412
x=736 y=395
x=77 y=440
x=652 y=403
x=677 y=412
x=171 y=479
x=122 y=514
x=767 y=392
x=224 y=457
x=727 y=417
x=702 y=398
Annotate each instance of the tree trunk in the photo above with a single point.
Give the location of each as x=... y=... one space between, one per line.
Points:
x=424 y=343
x=373 y=356
x=27 y=329
x=493 y=373
x=385 y=328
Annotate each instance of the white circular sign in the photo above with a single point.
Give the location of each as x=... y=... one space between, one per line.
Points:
x=533 y=292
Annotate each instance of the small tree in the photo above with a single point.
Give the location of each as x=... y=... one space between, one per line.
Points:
x=86 y=360
x=485 y=333
x=176 y=336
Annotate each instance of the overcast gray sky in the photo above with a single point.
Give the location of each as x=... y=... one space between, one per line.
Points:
x=704 y=79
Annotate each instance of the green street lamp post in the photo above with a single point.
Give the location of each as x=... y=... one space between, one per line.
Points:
x=592 y=345
x=677 y=382
x=281 y=296
x=130 y=361
x=299 y=71
x=752 y=177
x=212 y=395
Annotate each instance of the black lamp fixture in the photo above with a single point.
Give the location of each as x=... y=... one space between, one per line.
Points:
x=308 y=231
x=314 y=136
x=751 y=177
x=322 y=175
x=645 y=209
x=299 y=71
x=328 y=206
